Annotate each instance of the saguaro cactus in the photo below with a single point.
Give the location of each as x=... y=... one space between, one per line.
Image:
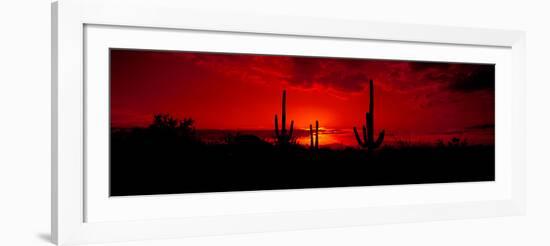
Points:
x=283 y=137
x=311 y=145
x=368 y=130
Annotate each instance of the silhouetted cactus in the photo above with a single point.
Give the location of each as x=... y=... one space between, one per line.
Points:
x=368 y=130
x=316 y=146
x=283 y=137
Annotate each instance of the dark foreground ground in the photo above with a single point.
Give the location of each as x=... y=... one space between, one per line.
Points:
x=143 y=163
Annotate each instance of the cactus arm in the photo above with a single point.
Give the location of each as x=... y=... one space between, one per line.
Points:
x=357 y=137
x=276 y=127
x=380 y=139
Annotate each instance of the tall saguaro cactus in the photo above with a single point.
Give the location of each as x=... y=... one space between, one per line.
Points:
x=311 y=145
x=283 y=137
x=368 y=141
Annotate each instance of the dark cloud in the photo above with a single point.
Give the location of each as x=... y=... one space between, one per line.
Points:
x=346 y=82
x=481 y=127
x=351 y=75
x=305 y=71
x=420 y=66
x=348 y=75
x=481 y=78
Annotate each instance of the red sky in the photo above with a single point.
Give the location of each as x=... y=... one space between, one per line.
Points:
x=231 y=91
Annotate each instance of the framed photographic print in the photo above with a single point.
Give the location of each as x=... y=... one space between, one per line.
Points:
x=171 y=123
x=192 y=122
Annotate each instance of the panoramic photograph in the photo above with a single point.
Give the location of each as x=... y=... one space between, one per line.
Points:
x=190 y=122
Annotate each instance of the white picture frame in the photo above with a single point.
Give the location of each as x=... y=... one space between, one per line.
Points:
x=83 y=213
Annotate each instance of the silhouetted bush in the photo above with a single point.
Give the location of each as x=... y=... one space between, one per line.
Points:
x=168 y=128
x=457 y=142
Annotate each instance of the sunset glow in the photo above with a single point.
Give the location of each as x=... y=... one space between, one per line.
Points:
x=189 y=122
x=415 y=101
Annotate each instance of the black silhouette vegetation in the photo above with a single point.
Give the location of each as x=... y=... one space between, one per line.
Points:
x=311 y=136
x=283 y=137
x=368 y=141
x=171 y=156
